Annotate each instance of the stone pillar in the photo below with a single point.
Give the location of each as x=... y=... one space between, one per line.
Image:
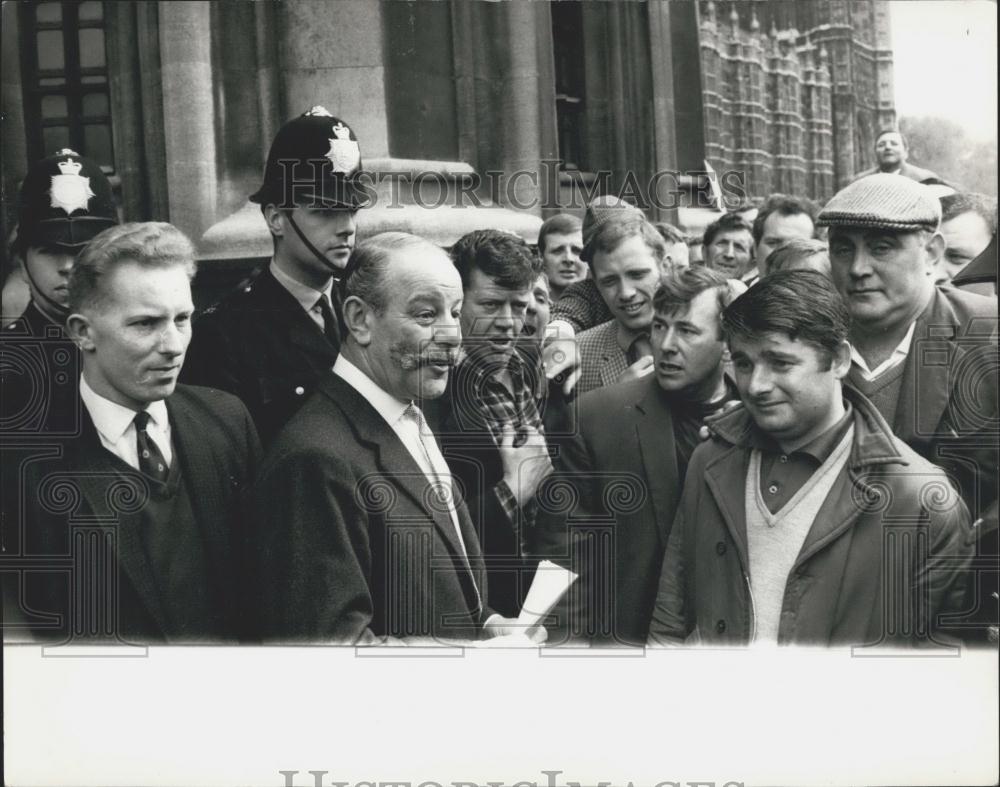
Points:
x=15 y=152
x=188 y=114
x=505 y=90
x=331 y=54
x=664 y=131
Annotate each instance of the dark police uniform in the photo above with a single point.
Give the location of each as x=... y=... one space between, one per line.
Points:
x=65 y=200
x=258 y=342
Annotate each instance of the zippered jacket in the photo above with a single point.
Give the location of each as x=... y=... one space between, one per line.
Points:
x=884 y=562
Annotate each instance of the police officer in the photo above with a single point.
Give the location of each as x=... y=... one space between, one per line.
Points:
x=270 y=340
x=65 y=200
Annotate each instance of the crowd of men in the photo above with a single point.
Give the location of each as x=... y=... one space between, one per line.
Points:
x=790 y=436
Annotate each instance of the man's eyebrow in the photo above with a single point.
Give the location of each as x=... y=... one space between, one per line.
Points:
x=778 y=355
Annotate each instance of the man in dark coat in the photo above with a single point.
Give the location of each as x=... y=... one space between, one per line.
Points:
x=925 y=355
x=804 y=520
x=130 y=531
x=622 y=472
x=361 y=536
x=273 y=338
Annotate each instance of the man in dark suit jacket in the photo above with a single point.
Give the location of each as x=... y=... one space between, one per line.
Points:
x=361 y=537
x=130 y=530
x=607 y=509
x=272 y=339
x=925 y=355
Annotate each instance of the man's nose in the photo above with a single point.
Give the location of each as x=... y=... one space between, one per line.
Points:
x=173 y=340
x=759 y=382
x=861 y=264
x=668 y=344
x=448 y=331
x=349 y=226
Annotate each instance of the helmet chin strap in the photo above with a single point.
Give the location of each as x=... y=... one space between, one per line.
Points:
x=331 y=266
x=51 y=308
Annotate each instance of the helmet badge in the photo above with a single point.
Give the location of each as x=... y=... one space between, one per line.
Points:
x=70 y=191
x=344 y=153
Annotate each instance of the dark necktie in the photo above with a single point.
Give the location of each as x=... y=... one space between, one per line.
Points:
x=151 y=461
x=331 y=324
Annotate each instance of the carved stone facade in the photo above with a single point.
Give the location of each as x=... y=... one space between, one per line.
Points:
x=562 y=100
x=794 y=93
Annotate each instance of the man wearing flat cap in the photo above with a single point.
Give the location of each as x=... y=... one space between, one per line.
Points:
x=925 y=355
x=270 y=340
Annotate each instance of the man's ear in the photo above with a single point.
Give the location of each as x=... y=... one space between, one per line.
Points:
x=357 y=318
x=81 y=331
x=934 y=247
x=275 y=220
x=841 y=360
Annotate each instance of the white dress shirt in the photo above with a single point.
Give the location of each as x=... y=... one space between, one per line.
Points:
x=115 y=426
x=898 y=356
x=307 y=297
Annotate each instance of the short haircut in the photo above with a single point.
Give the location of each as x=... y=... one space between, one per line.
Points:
x=614 y=232
x=803 y=305
x=680 y=287
x=954 y=205
x=902 y=136
x=365 y=275
x=670 y=233
x=746 y=204
x=793 y=251
x=783 y=205
x=725 y=223
x=560 y=224
x=148 y=244
x=502 y=256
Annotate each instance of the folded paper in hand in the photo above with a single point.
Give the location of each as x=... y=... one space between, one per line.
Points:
x=549 y=585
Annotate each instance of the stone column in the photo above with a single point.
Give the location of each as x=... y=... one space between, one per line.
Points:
x=331 y=54
x=664 y=131
x=188 y=114
x=15 y=151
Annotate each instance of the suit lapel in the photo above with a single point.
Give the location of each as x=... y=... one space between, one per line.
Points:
x=654 y=430
x=201 y=476
x=395 y=462
x=613 y=362
x=103 y=481
x=927 y=373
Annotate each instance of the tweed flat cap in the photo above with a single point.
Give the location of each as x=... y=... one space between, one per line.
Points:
x=883 y=201
x=599 y=212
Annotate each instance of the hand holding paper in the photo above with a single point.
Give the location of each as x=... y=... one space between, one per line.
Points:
x=549 y=585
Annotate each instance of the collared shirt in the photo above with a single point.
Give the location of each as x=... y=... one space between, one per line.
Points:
x=501 y=406
x=782 y=475
x=898 y=356
x=307 y=297
x=421 y=448
x=115 y=425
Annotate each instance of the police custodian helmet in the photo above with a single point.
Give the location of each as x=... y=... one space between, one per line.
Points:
x=314 y=160
x=65 y=201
